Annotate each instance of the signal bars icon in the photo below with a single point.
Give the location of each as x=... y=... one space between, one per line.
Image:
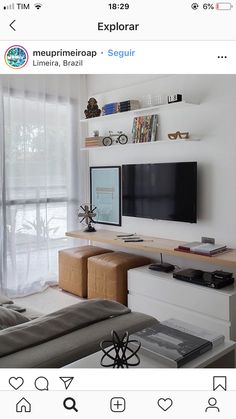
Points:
x=10 y=6
x=38 y=6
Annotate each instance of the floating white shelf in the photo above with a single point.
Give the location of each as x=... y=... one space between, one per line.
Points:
x=158 y=108
x=139 y=144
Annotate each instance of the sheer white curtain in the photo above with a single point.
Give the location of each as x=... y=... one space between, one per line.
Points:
x=2 y=195
x=39 y=178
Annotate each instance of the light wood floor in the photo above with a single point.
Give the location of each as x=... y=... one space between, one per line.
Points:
x=50 y=300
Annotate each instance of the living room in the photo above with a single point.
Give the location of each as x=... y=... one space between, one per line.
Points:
x=47 y=171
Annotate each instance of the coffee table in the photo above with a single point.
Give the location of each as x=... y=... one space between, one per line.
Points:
x=223 y=356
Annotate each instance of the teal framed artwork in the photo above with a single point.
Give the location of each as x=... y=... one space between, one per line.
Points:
x=105 y=194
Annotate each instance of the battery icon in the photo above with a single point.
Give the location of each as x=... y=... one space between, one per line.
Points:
x=224 y=6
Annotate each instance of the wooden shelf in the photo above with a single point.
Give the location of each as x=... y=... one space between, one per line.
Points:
x=156 y=245
x=153 y=109
x=139 y=144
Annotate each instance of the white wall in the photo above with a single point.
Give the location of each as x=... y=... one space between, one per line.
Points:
x=213 y=121
x=99 y=83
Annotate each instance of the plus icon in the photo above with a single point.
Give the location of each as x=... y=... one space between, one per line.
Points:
x=117 y=404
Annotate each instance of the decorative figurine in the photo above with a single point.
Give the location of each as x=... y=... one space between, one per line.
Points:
x=178 y=134
x=119 y=355
x=87 y=216
x=92 y=109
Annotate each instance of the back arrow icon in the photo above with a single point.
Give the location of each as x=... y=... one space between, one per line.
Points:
x=11 y=25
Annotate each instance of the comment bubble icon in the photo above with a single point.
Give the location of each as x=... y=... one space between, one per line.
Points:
x=41 y=384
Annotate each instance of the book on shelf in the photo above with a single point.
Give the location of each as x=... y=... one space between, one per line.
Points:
x=145 y=129
x=115 y=107
x=131 y=102
x=188 y=246
x=93 y=145
x=171 y=346
x=109 y=112
x=207 y=249
x=110 y=105
x=93 y=141
x=129 y=105
x=94 y=138
x=215 y=338
x=110 y=108
x=125 y=109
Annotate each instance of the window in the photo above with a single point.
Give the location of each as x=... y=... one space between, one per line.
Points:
x=40 y=187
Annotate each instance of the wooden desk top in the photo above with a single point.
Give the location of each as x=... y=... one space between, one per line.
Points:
x=155 y=245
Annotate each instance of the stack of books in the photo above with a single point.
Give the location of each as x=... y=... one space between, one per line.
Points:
x=145 y=129
x=93 y=142
x=129 y=105
x=175 y=343
x=110 y=108
x=205 y=249
x=115 y=107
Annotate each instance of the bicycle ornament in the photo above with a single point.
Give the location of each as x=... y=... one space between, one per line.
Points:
x=120 y=138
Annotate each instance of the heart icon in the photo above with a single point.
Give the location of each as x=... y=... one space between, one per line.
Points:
x=165 y=404
x=16 y=382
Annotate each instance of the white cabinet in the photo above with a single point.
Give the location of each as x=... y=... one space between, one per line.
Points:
x=161 y=296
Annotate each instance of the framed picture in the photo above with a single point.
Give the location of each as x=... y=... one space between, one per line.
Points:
x=105 y=194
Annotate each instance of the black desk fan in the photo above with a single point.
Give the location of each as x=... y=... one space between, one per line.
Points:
x=87 y=216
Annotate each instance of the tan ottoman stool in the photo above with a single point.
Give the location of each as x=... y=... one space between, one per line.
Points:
x=107 y=275
x=73 y=268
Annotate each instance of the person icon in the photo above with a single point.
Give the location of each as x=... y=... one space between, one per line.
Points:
x=212 y=405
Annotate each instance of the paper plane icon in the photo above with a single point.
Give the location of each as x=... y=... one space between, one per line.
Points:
x=67 y=381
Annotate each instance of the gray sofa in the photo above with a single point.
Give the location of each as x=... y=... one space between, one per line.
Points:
x=60 y=338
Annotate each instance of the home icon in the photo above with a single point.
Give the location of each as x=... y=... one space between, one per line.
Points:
x=23 y=406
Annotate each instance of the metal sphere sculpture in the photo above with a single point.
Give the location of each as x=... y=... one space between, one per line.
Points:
x=120 y=354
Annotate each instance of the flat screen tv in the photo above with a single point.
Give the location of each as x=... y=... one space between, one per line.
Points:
x=164 y=191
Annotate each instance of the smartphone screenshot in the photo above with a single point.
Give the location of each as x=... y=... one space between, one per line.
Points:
x=117 y=209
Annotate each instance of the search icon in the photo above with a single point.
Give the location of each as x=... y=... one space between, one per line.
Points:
x=70 y=404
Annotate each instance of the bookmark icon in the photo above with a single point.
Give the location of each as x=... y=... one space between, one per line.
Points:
x=219 y=383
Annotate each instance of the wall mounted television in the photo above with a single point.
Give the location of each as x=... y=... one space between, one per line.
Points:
x=164 y=191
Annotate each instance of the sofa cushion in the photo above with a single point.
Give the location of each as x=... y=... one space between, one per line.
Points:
x=66 y=349
x=9 y=318
x=59 y=323
x=5 y=300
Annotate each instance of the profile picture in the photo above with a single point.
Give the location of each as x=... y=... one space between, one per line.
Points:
x=16 y=56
